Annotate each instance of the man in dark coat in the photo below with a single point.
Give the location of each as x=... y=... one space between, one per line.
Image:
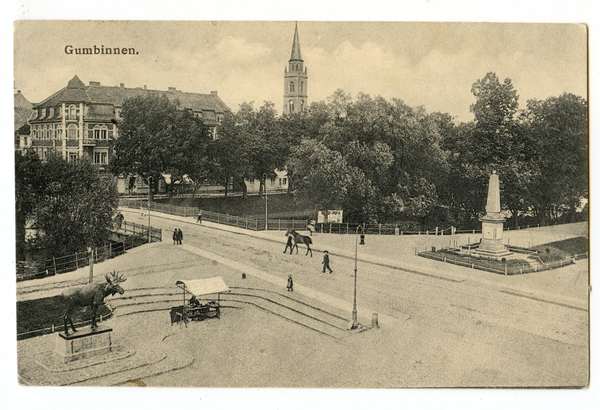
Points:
x=179 y=236
x=289 y=244
x=290 y=284
x=326 y=262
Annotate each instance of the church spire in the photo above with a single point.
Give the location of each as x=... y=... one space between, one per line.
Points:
x=295 y=80
x=296 y=54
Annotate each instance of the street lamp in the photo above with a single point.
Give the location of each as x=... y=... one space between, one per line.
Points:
x=266 y=202
x=149 y=200
x=362 y=242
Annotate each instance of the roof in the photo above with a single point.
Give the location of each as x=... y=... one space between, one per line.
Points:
x=199 y=287
x=76 y=92
x=296 y=54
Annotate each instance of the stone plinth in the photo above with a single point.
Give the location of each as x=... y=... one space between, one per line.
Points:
x=83 y=344
x=492 y=223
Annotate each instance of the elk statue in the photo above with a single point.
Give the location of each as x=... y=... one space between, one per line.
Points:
x=92 y=295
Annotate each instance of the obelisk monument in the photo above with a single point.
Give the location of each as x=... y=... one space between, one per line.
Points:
x=492 y=223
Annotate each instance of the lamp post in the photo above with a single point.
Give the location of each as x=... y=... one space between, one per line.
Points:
x=266 y=203
x=362 y=242
x=149 y=200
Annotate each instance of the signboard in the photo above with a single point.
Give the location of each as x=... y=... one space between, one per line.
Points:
x=335 y=216
x=330 y=216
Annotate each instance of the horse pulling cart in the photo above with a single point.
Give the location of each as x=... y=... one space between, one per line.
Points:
x=195 y=309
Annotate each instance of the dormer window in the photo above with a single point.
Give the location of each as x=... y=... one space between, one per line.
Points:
x=34 y=114
x=51 y=114
x=42 y=113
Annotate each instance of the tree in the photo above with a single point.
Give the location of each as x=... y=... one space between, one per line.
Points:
x=559 y=131
x=74 y=203
x=27 y=183
x=494 y=112
x=157 y=136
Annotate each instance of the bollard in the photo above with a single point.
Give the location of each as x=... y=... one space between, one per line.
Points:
x=375 y=321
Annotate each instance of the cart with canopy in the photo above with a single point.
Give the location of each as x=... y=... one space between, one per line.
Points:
x=194 y=309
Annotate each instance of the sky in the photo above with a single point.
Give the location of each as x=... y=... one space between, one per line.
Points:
x=424 y=64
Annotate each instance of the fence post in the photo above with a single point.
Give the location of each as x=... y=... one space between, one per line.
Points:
x=246 y=222
x=76 y=262
x=279 y=222
x=379 y=229
x=54 y=262
x=110 y=250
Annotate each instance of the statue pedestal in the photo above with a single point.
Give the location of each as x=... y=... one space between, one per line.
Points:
x=83 y=344
x=492 y=244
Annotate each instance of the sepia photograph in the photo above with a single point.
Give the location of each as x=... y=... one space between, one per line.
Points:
x=301 y=204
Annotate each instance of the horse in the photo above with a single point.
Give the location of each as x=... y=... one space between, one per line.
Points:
x=300 y=239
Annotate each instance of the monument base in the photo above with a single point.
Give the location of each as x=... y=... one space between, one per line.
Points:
x=83 y=344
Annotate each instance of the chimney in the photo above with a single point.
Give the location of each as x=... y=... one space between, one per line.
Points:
x=213 y=93
x=122 y=85
x=172 y=89
x=144 y=87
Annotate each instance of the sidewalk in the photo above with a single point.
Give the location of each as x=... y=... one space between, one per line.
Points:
x=568 y=285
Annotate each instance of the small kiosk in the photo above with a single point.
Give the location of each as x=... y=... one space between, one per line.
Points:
x=195 y=309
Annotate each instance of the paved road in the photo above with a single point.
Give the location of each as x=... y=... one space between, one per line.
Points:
x=493 y=322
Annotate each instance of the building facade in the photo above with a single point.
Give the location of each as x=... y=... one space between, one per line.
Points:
x=82 y=120
x=295 y=81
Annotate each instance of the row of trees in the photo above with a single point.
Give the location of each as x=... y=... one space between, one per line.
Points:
x=69 y=205
x=378 y=160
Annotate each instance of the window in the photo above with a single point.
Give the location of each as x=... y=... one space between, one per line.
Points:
x=72 y=113
x=72 y=132
x=284 y=181
x=291 y=86
x=72 y=157
x=100 y=158
x=302 y=105
x=100 y=132
x=45 y=132
x=291 y=106
x=301 y=86
x=279 y=181
x=59 y=132
x=51 y=114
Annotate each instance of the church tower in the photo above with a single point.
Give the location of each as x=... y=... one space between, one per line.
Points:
x=295 y=81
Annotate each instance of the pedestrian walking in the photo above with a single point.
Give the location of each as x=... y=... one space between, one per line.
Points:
x=289 y=244
x=199 y=220
x=179 y=236
x=311 y=226
x=290 y=284
x=326 y=262
x=175 y=236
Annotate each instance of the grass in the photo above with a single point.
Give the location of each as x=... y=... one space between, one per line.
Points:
x=279 y=206
x=37 y=314
x=561 y=249
x=547 y=253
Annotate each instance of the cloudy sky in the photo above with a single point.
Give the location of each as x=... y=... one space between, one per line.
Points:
x=428 y=64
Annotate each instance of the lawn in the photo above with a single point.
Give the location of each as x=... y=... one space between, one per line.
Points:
x=279 y=206
x=550 y=254
x=42 y=314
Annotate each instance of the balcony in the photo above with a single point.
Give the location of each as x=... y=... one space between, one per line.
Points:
x=89 y=142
